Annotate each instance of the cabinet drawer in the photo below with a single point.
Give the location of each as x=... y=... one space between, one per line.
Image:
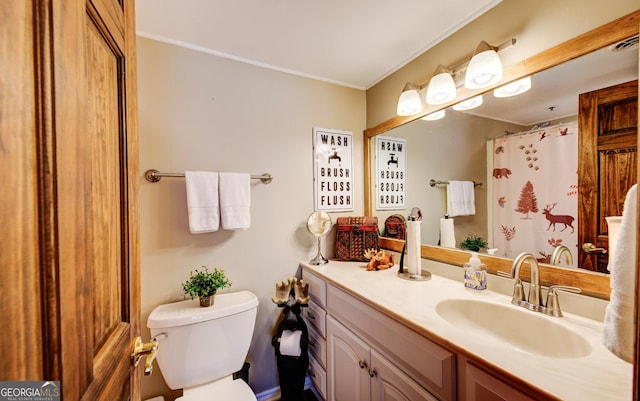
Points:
x=318 y=377
x=430 y=365
x=317 y=346
x=317 y=288
x=316 y=317
x=480 y=385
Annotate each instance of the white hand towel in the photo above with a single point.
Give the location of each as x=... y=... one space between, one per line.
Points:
x=618 y=333
x=202 y=201
x=460 y=198
x=235 y=201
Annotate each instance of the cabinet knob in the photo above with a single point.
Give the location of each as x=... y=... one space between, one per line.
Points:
x=372 y=373
x=363 y=364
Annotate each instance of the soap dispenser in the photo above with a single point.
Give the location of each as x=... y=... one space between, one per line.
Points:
x=475 y=275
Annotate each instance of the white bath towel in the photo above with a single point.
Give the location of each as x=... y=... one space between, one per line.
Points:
x=460 y=198
x=202 y=201
x=235 y=201
x=618 y=333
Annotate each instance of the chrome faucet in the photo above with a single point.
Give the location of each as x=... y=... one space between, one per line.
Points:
x=535 y=299
x=557 y=254
x=534 y=303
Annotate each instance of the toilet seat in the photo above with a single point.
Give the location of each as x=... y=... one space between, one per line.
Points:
x=223 y=389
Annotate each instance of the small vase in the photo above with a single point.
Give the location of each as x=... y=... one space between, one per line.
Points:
x=207 y=301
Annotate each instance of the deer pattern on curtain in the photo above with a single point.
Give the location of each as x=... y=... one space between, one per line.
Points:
x=535 y=192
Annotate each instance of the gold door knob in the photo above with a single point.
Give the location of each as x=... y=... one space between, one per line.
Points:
x=140 y=349
x=588 y=247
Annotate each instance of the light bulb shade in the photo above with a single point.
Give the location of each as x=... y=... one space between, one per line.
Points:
x=513 y=88
x=469 y=104
x=409 y=102
x=434 y=116
x=484 y=69
x=442 y=88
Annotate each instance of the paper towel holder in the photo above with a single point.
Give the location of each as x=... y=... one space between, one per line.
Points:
x=416 y=215
x=423 y=276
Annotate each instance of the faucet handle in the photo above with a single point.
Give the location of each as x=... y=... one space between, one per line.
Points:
x=518 y=291
x=553 y=304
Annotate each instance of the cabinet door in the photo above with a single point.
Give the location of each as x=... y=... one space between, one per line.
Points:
x=348 y=364
x=426 y=362
x=388 y=383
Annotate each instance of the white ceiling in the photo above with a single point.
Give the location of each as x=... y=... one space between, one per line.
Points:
x=355 y=43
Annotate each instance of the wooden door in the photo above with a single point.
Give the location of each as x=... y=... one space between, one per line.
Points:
x=69 y=249
x=607 y=164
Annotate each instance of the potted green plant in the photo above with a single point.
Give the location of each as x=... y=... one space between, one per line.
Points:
x=473 y=243
x=204 y=284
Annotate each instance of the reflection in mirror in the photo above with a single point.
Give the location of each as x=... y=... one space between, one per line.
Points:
x=319 y=224
x=454 y=148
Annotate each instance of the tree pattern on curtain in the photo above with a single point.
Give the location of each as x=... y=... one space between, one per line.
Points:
x=535 y=192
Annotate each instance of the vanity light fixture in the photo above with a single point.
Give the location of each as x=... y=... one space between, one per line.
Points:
x=441 y=88
x=409 y=102
x=483 y=70
x=434 y=116
x=485 y=67
x=469 y=103
x=513 y=88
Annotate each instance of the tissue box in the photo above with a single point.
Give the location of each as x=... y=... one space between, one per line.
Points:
x=354 y=235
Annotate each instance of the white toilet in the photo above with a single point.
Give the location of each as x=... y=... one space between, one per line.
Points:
x=199 y=348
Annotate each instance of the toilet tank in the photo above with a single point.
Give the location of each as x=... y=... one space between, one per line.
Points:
x=198 y=344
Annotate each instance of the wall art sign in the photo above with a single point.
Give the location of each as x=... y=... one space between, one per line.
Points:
x=333 y=169
x=390 y=170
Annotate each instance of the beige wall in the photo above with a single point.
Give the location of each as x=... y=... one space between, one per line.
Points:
x=537 y=25
x=198 y=111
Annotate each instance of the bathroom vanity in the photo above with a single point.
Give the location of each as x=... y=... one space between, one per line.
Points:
x=377 y=337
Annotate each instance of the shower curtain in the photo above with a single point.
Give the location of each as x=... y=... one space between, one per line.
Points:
x=534 y=198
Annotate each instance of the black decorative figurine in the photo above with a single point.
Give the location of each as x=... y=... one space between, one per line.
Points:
x=293 y=359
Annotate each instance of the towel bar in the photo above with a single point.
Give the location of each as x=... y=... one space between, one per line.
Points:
x=153 y=175
x=433 y=183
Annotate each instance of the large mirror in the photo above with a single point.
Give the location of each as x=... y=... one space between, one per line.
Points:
x=455 y=147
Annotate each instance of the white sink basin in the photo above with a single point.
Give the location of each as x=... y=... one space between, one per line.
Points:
x=514 y=327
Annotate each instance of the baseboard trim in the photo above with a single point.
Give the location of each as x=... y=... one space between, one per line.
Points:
x=274 y=393
x=269 y=395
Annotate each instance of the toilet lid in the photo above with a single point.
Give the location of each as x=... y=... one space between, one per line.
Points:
x=236 y=390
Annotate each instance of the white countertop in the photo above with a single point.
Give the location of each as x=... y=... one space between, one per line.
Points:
x=600 y=376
